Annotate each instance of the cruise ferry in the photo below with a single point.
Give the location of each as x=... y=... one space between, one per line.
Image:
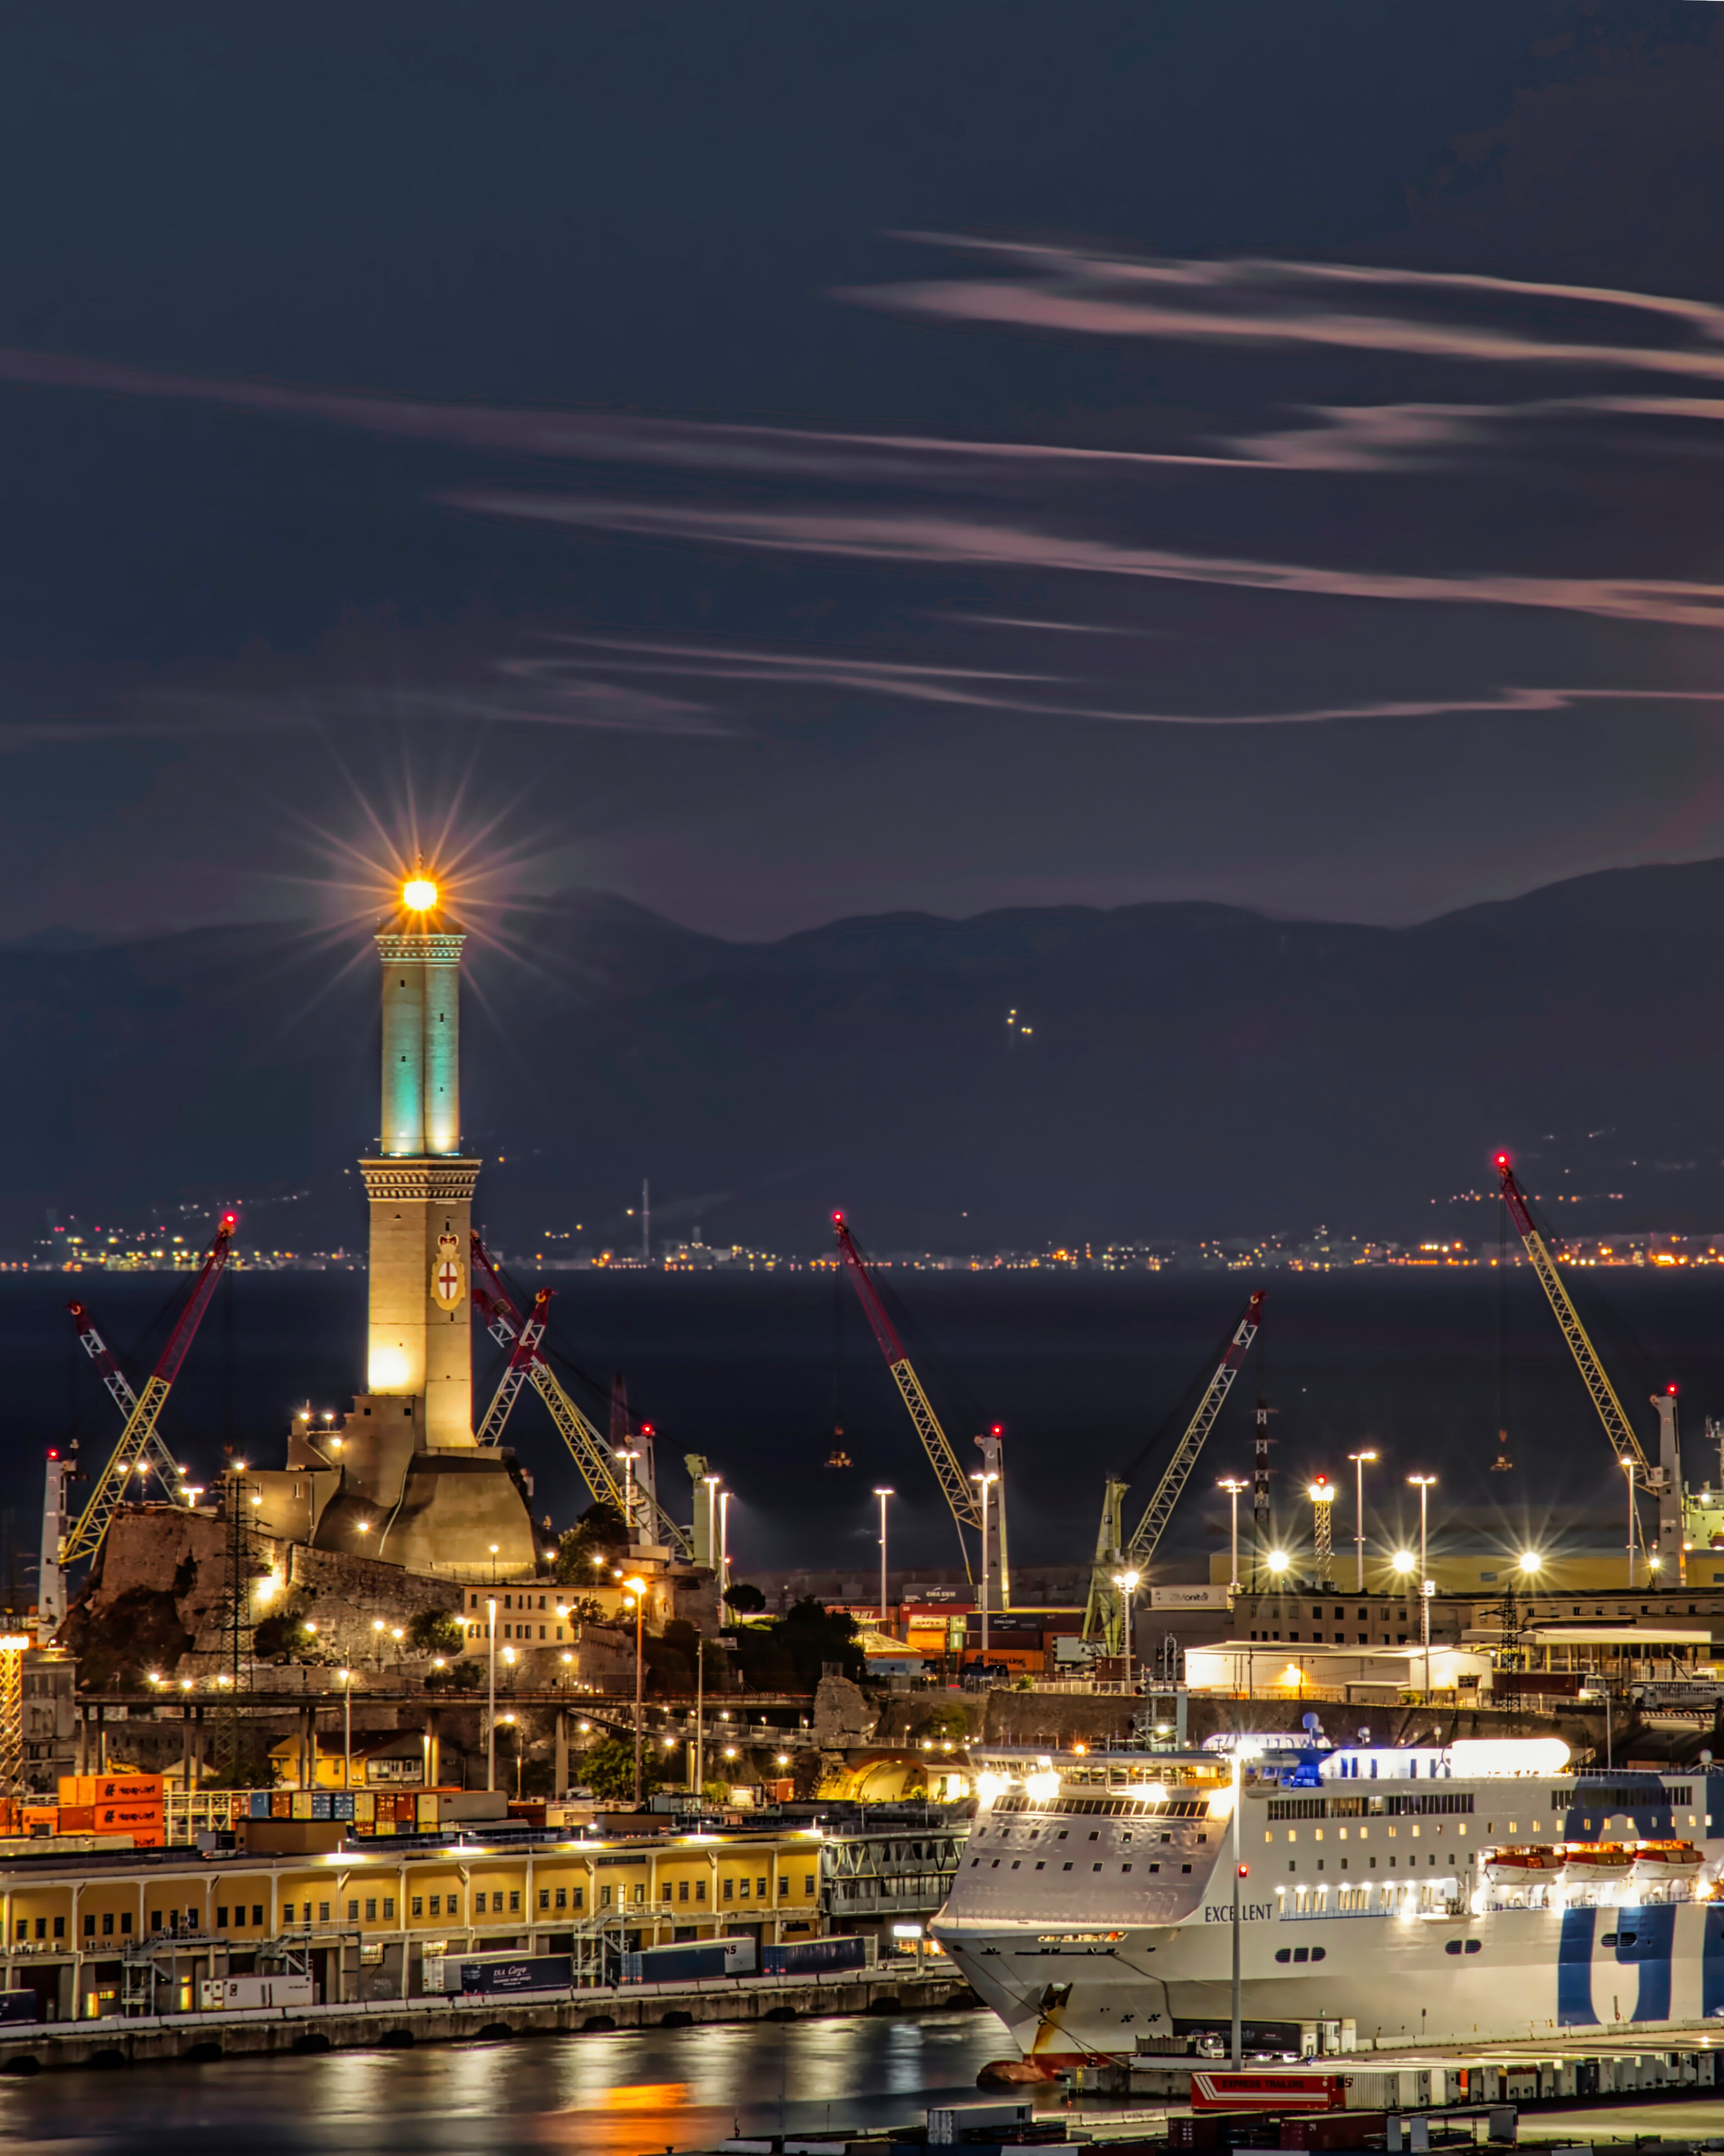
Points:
x=1478 y=1889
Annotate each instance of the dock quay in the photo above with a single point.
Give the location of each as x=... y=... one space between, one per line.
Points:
x=400 y=2023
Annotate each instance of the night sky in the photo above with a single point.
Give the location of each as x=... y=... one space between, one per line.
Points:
x=780 y=461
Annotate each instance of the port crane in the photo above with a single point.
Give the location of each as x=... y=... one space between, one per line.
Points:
x=1105 y=1616
x=965 y=1500
x=1664 y=1479
x=138 y=1440
x=524 y=1336
x=155 y=1453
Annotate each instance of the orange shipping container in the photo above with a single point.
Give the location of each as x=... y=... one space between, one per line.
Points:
x=40 y=1819
x=111 y=1788
x=126 y=1818
x=77 y=1818
x=153 y=1838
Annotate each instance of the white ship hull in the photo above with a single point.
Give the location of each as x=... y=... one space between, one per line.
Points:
x=1100 y=1930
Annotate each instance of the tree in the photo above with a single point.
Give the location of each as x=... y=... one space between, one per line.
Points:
x=285 y=1636
x=435 y=1632
x=458 y=1676
x=608 y=1770
x=745 y=1598
x=586 y=1554
x=791 y=1653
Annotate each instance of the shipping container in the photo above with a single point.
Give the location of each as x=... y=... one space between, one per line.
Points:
x=19 y=2006
x=77 y=1818
x=691 y=1961
x=519 y=1973
x=111 y=1788
x=127 y=1819
x=1222 y=2090
x=243 y=1994
x=818 y=1957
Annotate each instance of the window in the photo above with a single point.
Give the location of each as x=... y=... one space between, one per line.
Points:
x=370 y=1909
x=580 y=1896
x=286 y=1912
x=389 y=1909
x=682 y=1889
x=155 y=1921
x=544 y=1898
x=808 y=1885
x=89 y=1926
x=761 y=1886
x=515 y=1901
x=125 y=1923
x=323 y=1912
x=730 y=1888
x=562 y=1897
x=437 y=1905
x=108 y=1923
x=699 y=1890
x=454 y=1905
x=478 y=1905
x=353 y=1912
x=418 y=1906
x=221 y=1919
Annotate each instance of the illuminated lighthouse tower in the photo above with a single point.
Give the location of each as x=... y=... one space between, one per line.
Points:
x=402 y=1479
x=420 y=1184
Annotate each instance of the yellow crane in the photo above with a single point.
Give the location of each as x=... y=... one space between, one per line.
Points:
x=137 y=1439
x=524 y=1336
x=1105 y=1617
x=1664 y=1479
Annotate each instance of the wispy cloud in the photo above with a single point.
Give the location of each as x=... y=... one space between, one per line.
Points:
x=907 y=537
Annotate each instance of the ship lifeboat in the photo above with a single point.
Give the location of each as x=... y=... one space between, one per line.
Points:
x=1598 y=1864
x=1526 y=1867
x=1663 y=1863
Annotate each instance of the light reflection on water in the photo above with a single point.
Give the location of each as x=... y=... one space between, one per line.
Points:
x=626 y=2094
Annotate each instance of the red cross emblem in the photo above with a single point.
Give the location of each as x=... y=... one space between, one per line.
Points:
x=448 y=1279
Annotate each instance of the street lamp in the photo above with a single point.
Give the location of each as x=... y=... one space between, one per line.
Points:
x=347 y=1678
x=628 y=1454
x=724 y=1541
x=1126 y=1582
x=1241 y=1752
x=983 y=1479
x=1627 y=1468
x=883 y=1495
x=491 y=1716
x=635 y=1589
x=1530 y=1562
x=1358 y=1461
x=1235 y=1490
x=1424 y=1484
x=1277 y=1561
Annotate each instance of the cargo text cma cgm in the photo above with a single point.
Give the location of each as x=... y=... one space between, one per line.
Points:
x=1479 y=1890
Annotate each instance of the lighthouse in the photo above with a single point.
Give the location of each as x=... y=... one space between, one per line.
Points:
x=420 y=1183
x=402 y=1480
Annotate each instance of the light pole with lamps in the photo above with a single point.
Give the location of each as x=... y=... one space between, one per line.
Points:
x=983 y=1479
x=1126 y=1582
x=1628 y=1469
x=1322 y=1493
x=1424 y=1484
x=635 y=1589
x=627 y=1454
x=1241 y=1750
x=490 y=1713
x=724 y=1541
x=1358 y=1461
x=1235 y=1490
x=347 y=1678
x=883 y=1495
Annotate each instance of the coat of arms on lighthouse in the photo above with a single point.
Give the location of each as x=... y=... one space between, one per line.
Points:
x=448 y=1275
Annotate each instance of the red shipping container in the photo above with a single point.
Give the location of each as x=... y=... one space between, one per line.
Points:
x=1223 y=2090
x=77 y=1818
x=1347 y=2129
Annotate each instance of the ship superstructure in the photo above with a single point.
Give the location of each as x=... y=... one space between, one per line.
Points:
x=1476 y=1890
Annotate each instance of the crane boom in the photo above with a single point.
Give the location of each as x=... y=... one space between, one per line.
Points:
x=120 y=1386
x=86 y=1538
x=960 y=1499
x=1159 y=1511
x=587 y=1448
x=1618 y=1428
x=1105 y=1615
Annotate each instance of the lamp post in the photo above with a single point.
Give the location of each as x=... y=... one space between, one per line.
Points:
x=1235 y=1490
x=1424 y=1484
x=347 y=1678
x=983 y=1479
x=490 y=1713
x=1628 y=1469
x=627 y=1454
x=635 y=1587
x=724 y=1541
x=1240 y=1871
x=1358 y=1461
x=1126 y=1582
x=883 y=1495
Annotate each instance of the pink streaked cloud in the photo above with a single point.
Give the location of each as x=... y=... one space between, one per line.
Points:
x=905 y=536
